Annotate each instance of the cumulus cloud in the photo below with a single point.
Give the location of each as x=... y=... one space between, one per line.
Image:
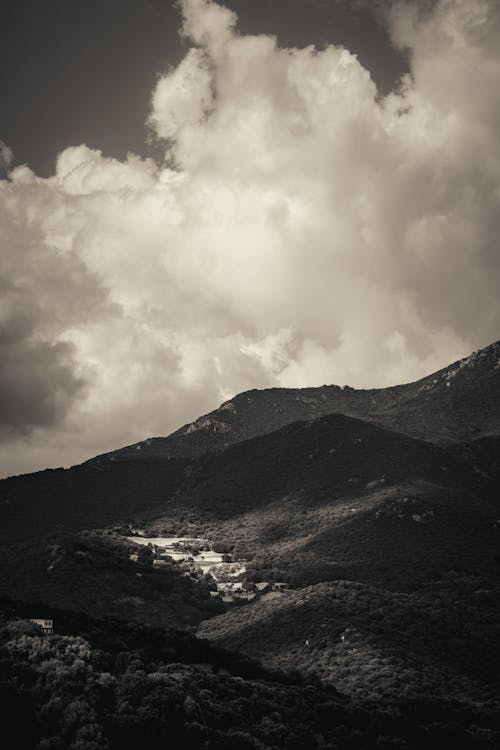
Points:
x=300 y=231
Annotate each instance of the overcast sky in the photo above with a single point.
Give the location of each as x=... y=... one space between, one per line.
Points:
x=311 y=196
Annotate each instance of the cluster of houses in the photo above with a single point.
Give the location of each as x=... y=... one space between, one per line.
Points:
x=245 y=591
x=226 y=572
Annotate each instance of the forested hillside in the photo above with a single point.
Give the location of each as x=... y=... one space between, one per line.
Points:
x=99 y=685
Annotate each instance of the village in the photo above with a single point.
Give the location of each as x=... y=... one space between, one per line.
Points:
x=227 y=574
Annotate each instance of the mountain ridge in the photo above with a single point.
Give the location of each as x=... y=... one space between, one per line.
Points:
x=397 y=407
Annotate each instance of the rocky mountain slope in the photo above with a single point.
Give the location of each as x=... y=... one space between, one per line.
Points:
x=457 y=403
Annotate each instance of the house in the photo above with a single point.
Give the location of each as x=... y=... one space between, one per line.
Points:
x=280 y=585
x=47 y=626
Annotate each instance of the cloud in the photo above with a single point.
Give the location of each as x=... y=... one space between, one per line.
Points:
x=183 y=97
x=300 y=231
x=44 y=289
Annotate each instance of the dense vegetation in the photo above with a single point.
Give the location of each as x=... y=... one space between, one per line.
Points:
x=92 y=572
x=374 y=644
x=104 y=685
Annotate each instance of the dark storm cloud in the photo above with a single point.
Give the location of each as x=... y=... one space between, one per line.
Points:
x=44 y=290
x=37 y=384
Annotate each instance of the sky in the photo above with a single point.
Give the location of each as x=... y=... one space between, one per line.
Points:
x=203 y=199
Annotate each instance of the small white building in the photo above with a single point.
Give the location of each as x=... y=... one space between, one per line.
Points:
x=47 y=626
x=262 y=586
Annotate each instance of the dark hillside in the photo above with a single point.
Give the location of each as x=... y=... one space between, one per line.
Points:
x=334 y=456
x=87 y=496
x=376 y=644
x=340 y=498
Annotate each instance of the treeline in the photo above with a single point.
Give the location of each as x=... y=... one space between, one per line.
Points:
x=106 y=685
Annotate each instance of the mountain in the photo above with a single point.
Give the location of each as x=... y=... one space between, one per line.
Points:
x=456 y=403
x=366 y=525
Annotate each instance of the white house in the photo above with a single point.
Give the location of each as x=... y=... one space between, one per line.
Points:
x=46 y=625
